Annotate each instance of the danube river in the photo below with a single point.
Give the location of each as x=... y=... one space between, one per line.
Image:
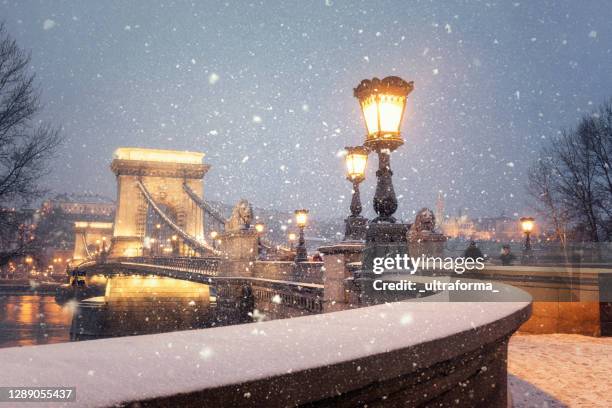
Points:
x=33 y=319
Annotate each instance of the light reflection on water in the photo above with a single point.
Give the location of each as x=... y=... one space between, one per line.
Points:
x=132 y=305
x=34 y=319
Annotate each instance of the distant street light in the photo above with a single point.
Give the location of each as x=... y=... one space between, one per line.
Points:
x=301 y=218
x=175 y=246
x=383 y=103
x=292 y=237
x=527 y=224
x=356 y=161
x=259 y=229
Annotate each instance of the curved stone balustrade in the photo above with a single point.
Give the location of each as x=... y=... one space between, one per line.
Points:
x=404 y=353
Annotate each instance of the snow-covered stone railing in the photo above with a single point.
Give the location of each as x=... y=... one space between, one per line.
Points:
x=404 y=353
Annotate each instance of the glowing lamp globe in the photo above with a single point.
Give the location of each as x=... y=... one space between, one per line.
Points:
x=292 y=236
x=301 y=217
x=259 y=227
x=356 y=160
x=383 y=102
x=527 y=224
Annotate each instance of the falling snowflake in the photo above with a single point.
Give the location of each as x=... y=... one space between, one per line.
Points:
x=49 y=24
x=213 y=78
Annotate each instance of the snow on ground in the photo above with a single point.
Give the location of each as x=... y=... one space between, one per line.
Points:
x=557 y=370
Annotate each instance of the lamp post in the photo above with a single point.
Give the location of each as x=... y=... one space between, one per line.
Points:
x=301 y=217
x=383 y=103
x=527 y=224
x=356 y=160
x=213 y=237
x=292 y=237
x=175 y=247
x=259 y=229
x=158 y=240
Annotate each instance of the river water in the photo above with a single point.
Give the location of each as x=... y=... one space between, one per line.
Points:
x=33 y=319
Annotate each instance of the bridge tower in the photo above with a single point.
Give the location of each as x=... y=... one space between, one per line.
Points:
x=160 y=174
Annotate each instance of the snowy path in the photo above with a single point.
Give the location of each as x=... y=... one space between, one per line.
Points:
x=576 y=370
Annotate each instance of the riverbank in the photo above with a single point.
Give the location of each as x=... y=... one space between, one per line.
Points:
x=25 y=287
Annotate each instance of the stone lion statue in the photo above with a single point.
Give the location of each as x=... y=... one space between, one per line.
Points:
x=242 y=216
x=425 y=221
x=422 y=236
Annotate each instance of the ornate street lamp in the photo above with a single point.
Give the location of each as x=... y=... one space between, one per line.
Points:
x=301 y=218
x=356 y=160
x=213 y=237
x=292 y=237
x=527 y=224
x=383 y=103
x=175 y=246
x=259 y=229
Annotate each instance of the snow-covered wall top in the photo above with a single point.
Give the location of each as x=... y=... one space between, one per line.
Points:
x=119 y=370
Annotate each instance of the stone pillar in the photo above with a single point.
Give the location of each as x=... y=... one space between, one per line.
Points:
x=339 y=291
x=430 y=244
x=239 y=251
x=127 y=238
x=163 y=173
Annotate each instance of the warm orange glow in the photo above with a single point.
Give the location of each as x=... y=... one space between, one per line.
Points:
x=356 y=161
x=29 y=260
x=301 y=217
x=174 y=237
x=292 y=237
x=259 y=227
x=527 y=224
x=214 y=234
x=155 y=155
x=383 y=114
x=94 y=225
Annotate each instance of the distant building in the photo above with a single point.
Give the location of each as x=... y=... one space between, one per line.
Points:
x=82 y=206
x=21 y=223
x=460 y=226
x=500 y=228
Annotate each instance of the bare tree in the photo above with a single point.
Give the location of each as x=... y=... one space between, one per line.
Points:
x=601 y=130
x=26 y=145
x=542 y=187
x=572 y=185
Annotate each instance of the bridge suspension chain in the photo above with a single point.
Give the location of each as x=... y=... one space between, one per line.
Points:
x=84 y=238
x=204 y=205
x=189 y=240
x=214 y=213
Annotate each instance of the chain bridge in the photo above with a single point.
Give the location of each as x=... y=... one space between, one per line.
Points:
x=161 y=226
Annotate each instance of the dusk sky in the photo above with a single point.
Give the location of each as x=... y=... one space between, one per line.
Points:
x=265 y=89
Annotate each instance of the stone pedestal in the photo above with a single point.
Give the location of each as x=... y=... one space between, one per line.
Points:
x=239 y=250
x=338 y=294
x=430 y=244
x=383 y=240
x=355 y=228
